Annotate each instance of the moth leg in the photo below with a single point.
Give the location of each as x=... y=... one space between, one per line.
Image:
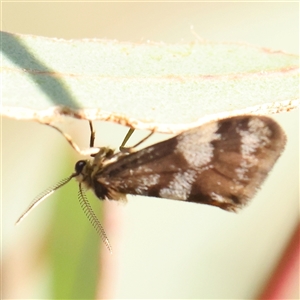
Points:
x=124 y=149
x=126 y=138
x=84 y=152
x=92 y=138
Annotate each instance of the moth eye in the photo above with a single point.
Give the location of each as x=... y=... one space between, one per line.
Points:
x=79 y=166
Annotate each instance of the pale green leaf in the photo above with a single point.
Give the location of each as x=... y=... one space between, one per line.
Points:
x=145 y=85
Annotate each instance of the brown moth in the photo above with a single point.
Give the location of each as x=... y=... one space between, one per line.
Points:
x=221 y=163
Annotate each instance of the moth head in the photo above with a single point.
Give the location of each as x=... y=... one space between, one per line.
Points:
x=82 y=170
x=79 y=166
x=86 y=169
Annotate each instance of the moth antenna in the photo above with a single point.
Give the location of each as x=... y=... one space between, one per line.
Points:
x=85 y=152
x=87 y=209
x=49 y=191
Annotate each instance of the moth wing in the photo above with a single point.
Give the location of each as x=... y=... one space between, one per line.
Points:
x=220 y=163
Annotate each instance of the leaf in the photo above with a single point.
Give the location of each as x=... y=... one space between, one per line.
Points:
x=166 y=87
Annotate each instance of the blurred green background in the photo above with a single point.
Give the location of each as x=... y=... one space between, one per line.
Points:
x=162 y=249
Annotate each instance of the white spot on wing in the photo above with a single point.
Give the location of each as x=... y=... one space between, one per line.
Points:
x=217 y=197
x=257 y=136
x=180 y=187
x=195 y=145
x=149 y=180
x=144 y=182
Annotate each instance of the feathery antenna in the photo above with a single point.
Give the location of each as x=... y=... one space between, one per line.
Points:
x=87 y=209
x=44 y=195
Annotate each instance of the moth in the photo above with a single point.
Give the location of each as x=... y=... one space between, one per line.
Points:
x=221 y=163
